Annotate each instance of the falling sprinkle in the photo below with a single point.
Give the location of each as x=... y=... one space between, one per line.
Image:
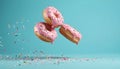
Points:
x=34 y=52
x=86 y=59
x=8 y=33
x=19 y=55
x=41 y=52
x=19 y=64
x=65 y=58
x=58 y=62
x=25 y=62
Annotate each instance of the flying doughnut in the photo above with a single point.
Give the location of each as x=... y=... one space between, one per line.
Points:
x=70 y=33
x=53 y=17
x=45 y=32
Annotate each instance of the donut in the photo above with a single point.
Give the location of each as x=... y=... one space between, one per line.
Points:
x=44 y=32
x=70 y=33
x=53 y=17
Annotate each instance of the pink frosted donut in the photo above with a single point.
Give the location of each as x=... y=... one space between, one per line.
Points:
x=45 y=32
x=53 y=17
x=70 y=33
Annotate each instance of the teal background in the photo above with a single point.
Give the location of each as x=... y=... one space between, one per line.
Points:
x=97 y=20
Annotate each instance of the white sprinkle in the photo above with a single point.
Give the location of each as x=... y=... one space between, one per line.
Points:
x=8 y=33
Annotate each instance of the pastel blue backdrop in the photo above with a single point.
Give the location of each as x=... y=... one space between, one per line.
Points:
x=97 y=20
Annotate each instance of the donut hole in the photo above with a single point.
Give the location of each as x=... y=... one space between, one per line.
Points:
x=56 y=15
x=48 y=27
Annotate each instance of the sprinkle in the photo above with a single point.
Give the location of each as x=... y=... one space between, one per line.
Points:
x=41 y=52
x=8 y=33
x=16 y=34
x=58 y=62
x=19 y=55
x=35 y=52
x=87 y=59
x=24 y=62
x=65 y=58
x=19 y=64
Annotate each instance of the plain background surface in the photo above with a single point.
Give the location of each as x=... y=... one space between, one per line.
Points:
x=97 y=20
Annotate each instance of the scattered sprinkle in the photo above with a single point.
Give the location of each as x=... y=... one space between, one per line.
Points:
x=15 y=34
x=8 y=33
x=21 y=48
x=19 y=64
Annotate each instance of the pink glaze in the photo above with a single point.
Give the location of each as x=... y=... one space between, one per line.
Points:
x=74 y=32
x=45 y=30
x=55 y=16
